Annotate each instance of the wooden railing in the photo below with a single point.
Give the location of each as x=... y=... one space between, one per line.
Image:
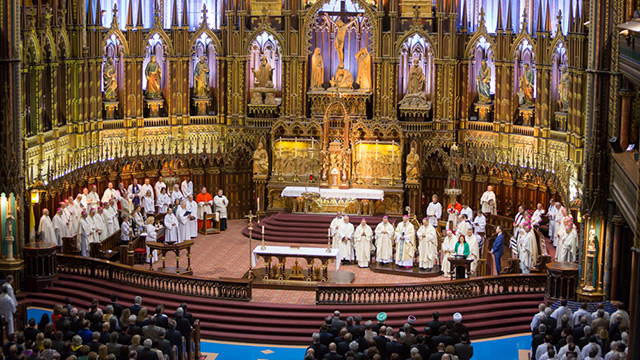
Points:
x=168 y=283
x=106 y=248
x=348 y=294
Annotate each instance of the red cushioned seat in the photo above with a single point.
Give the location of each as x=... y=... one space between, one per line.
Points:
x=140 y=251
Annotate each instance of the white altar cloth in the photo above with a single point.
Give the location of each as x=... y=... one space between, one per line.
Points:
x=287 y=251
x=295 y=191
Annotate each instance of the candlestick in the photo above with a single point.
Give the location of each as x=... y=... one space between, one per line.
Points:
x=258 y=206
x=263 y=247
x=329 y=231
x=263 y=229
x=329 y=241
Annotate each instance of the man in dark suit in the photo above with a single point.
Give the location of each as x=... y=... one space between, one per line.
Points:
x=117 y=308
x=164 y=345
x=112 y=346
x=578 y=330
x=124 y=338
x=358 y=328
x=58 y=342
x=137 y=305
x=438 y=355
x=434 y=325
x=538 y=339
x=95 y=343
x=31 y=331
x=187 y=315
x=161 y=318
x=343 y=346
x=381 y=342
x=319 y=350
x=396 y=347
x=551 y=322
x=464 y=350
x=147 y=353
x=443 y=337
x=133 y=328
x=333 y=354
x=104 y=333
x=183 y=325
x=64 y=317
x=498 y=248
x=174 y=336
x=583 y=341
x=423 y=349
x=325 y=336
x=336 y=323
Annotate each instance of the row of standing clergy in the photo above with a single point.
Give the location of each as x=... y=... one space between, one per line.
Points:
x=457 y=212
x=356 y=243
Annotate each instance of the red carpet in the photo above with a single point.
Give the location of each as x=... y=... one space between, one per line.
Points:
x=302 y=228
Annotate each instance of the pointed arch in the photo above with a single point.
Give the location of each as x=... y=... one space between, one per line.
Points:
x=163 y=35
x=475 y=40
x=120 y=36
x=524 y=35
x=259 y=31
x=62 y=43
x=205 y=30
x=425 y=35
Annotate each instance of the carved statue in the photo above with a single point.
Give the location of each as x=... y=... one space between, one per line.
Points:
x=413 y=164
x=342 y=80
x=415 y=96
x=563 y=89
x=525 y=93
x=260 y=161
x=341 y=32
x=263 y=74
x=363 y=77
x=110 y=78
x=484 y=82
x=201 y=78
x=317 y=69
x=153 y=72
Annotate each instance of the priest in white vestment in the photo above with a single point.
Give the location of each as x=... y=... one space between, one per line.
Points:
x=474 y=248
x=59 y=226
x=85 y=232
x=187 y=187
x=405 y=243
x=110 y=193
x=345 y=233
x=92 y=220
x=384 y=241
x=362 y=243
x=101 y=225
x=163 y=201
x=221 y=202
x=171 y=233
x=480 y=223
x=183 y=222
x=559 y=231
x=428 y=245
x=45 y=229
x=434 y=211
x=334 y=227
x=84 y=198
x=569 y=250
x=159 y=185
x=527 y=249
x=148 y=198
x=176 y=195
x=192 y=207
x=152 y=236
x=94 y=198
x=466 y=209
x=536 y=218
x=108 y=217
x=551 y=214
x=448 y=244
x=463 y=225
x=7 y=309
x=488 y=201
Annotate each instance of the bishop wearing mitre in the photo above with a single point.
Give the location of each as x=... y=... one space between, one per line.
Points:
x=46 y=230
x=427 y=245
x=405 y=243
x=362 y=243
x=384 y=242
x=448 y=244
x=346 y=239
x=488 y=201
x=334 y=228
x=205 y=201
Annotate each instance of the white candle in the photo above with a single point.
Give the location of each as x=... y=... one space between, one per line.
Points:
x=329 y=232
x=263 y=229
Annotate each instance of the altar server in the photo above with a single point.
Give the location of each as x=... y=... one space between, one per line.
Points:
x=551 y=213
x=569 y=250
x=527 y=249
x=134 y=192
x=466 y=209
x=488 y=201
x=474 y=242
x=536 y=218
x=453 y=210
x=148 y=198
x=7 y=309
x=45 y=228
x=384 y=242
x=405 y=243
x=346 y=243
x=334 y=228
x=101 y=225
x=448 y=244
x=205 y=202
x=84 y=198
x=110 y=193
x=192 y=207
x=171 y=233
x=427 y=245
x=362 y=243
x=176 y=195
x=110 y=215
x=434 y=211
x=183 y=222
x=164 y=201
x=92 y=221
x=94 y=199
x=221 y=203
x=85 y=231
x=59 y=226
x=187 y=187
x=518 y=222
x=152 y=236
x=480 y=223
x=159 y=185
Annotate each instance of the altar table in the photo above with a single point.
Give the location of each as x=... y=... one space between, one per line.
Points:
x=164 y=248
x=369 y=194
x=284 y=252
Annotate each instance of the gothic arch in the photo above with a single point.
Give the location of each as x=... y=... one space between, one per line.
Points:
x=432 y=48
x=204 y=29
x=262 y=29
x=524 y=35
x=120 y=37
x=165 y=39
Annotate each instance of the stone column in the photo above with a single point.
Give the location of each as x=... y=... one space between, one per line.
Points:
x=616 y=258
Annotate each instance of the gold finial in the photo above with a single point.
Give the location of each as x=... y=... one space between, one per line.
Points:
x=481 y=15
x=115 y=15
x=204 y=14
x=559 y=22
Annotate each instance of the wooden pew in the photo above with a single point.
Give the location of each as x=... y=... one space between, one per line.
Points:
x=107 y=248
x=70 y=245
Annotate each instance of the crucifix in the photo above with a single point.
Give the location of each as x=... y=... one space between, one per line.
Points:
x=341 y=29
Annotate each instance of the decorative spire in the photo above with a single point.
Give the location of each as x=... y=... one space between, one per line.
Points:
x=114 y=20
x=571 y=24
x=509 y=17
x=185 y=13
x=130 y=14
x=90 y=14
x=579 y=23
x=539 y=22
x=139 y=21
x=98 y=14
x=499 y=26
x=157 y=20
x=547 y=22
x=481 y=23
x=174 y=14
x=204 y=15
x=525 y=16
x=559 y=23
x=463 y=18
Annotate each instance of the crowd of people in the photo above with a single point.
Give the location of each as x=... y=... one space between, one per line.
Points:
x=563 y=334
x=112 y=332
x=133 y=210
x=350 y=339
